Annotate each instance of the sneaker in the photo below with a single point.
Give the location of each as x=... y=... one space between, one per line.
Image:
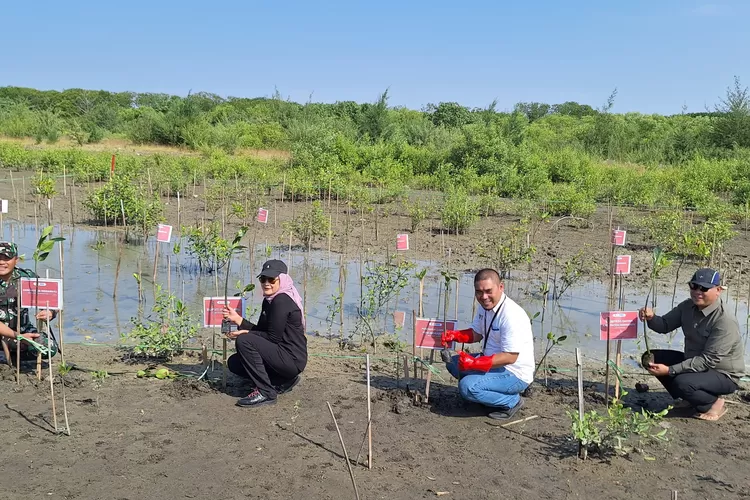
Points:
x=506 y=414
x=446 y=355
x=255 y=398
x=287 y=386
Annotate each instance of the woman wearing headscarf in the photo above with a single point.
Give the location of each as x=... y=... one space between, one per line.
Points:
x=272 y=353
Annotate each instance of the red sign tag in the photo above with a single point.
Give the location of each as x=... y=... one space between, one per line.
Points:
x=164 y=233
x=623 y=325
x=428 y=332
x=618 y=237
x=42 y=294
x=402 y=242
x=622 y=266
x=213 y=309
x=263 y=215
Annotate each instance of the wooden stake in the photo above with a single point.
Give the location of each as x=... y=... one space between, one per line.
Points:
x=618 y=363
x=51 y=376
x=414 y=341
x=224 y=363
x=582 y=451
x=532 y=417
x=18 y=334
x=369 y=418
x=606 y=368
x=346 y=455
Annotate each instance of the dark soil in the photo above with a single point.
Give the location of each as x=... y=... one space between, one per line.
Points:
x=137 y=438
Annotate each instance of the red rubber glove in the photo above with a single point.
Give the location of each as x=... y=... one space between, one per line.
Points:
x=465 y=335
x=467 y=363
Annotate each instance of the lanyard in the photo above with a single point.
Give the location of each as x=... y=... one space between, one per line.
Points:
x=487 y=329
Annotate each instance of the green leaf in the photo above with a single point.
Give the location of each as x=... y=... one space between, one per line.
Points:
x=561 y=338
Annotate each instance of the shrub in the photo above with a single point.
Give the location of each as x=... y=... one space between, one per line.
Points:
x=164 y=336
x=459 y=211
x=309 y=225
x=107 y=203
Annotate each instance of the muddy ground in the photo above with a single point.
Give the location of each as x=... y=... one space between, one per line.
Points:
x=557 y=238
x=144 y=438
x=172 y=439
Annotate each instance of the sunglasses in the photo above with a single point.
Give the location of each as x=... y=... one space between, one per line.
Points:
x=695 y=286
x=265 y=279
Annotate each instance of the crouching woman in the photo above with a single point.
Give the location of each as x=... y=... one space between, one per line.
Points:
x=272 y=353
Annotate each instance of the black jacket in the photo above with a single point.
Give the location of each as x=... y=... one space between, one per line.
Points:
x=281 y=322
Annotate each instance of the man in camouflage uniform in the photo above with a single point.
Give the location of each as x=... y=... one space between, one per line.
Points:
x=10 y=276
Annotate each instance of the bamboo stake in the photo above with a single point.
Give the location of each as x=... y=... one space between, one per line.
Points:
x=362 y=444
x=346 y=455
x=51 y=376
x=18 y=334
x=606 y=369
x=369 y=418
x=582 y=451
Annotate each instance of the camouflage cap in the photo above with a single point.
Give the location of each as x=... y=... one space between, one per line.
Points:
x=8 y=249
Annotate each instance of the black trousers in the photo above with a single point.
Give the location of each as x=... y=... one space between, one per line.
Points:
x=264 y=362
x=700 y=389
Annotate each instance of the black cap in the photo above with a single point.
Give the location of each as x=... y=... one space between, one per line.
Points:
x=706 y=277
x=272 y=269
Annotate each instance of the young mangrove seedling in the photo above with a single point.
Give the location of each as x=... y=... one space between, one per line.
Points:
x=659 y=261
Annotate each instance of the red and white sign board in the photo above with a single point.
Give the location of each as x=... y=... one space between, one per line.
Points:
x=622 y=266
x=164 y=233
x=618 y=237
x=3 y=206
x=44 y=293
x=213 y=309
x=263 y=215
x=402 y=242
x=623 y=325
x=428 y=332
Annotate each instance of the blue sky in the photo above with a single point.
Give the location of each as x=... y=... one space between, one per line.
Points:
x=660 y=54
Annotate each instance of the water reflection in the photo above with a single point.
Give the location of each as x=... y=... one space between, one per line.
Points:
x=100 y=300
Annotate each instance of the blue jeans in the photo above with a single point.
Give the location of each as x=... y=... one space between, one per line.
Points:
x=498 y=388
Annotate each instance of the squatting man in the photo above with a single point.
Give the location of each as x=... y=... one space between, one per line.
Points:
x=504 y=369
x=714 y=357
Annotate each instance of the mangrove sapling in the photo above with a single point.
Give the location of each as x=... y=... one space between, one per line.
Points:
x=228 y=326
x=44 y=246
x=659 y=261
x=552 y=341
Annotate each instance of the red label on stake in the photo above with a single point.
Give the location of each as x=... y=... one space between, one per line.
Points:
x=112 y=168
x=47 y=295
x=402 y=242
x=213 y=309
x=164 y=233
x=263 y=215
x=623 y=325
x=429 y=331
x=622 y=266
x=618 y=237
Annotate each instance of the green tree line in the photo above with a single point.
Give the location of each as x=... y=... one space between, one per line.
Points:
x=567 y=151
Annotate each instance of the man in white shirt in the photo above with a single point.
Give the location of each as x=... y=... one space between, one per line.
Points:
x=505 y=368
